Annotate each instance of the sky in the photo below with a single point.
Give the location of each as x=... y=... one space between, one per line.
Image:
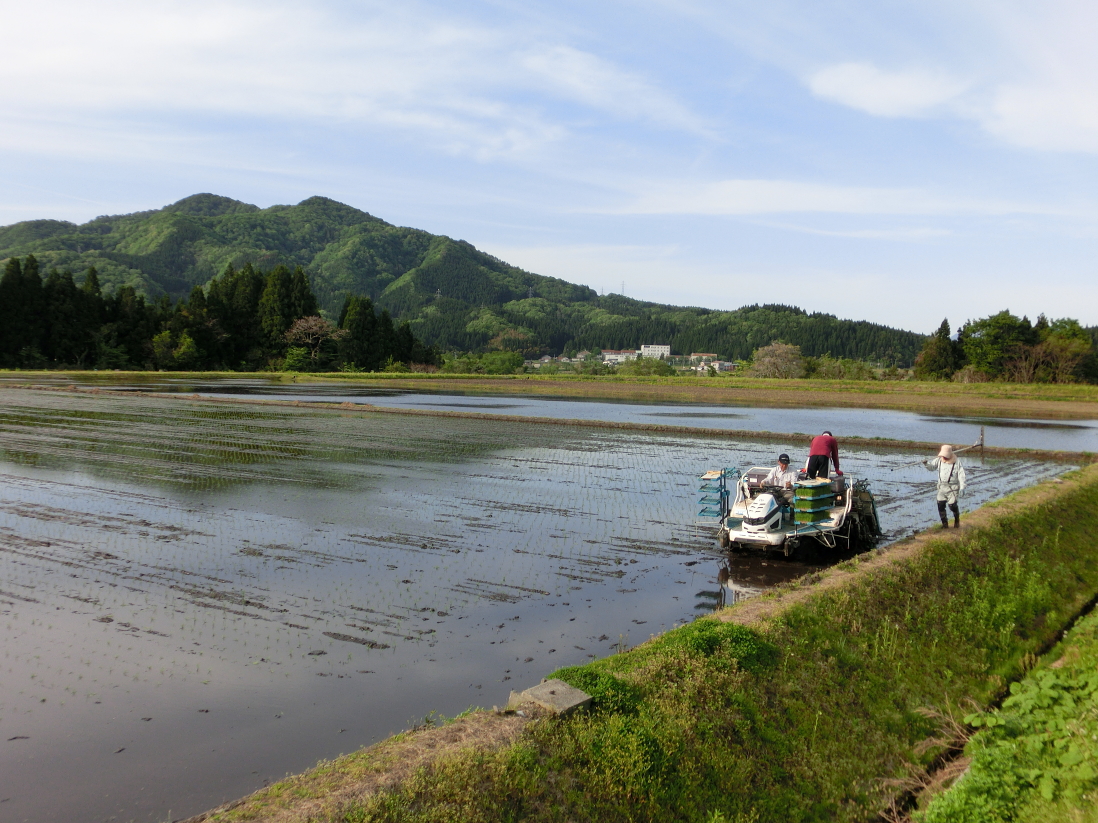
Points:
x=897 y=162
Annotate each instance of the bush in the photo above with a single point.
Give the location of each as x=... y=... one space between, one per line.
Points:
x=608 y=693
x=706 y=637
x=646 y=367
x=778 y=360
x=297 y=359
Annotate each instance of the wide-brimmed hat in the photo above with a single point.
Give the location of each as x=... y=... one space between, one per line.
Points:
x=946 y=452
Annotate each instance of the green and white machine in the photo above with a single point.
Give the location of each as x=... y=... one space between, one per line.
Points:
x=837 y=512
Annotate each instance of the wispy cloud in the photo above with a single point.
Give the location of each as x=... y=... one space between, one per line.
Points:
x=910 y=93
x=594 y=82
x=1032 y=77
x=465 y=86
x=909 y=234
x=757 y=197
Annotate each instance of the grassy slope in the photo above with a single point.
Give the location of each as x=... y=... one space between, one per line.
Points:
x=799 y=706
x=1036 y=760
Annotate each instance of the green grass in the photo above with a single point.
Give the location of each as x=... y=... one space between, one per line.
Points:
x=803 y=718
x=1036 y=758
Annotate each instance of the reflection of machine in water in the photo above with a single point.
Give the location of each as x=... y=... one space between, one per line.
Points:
x=732 y=592
x=839 y=512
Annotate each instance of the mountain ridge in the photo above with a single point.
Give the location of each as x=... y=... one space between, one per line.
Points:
x=453 y=295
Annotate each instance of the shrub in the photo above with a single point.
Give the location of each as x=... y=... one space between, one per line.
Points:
x=608 y=693
x=297 y=359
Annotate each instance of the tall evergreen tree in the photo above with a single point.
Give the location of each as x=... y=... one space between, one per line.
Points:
x=91 y=282
x=30 y=322
x=403 y=343
x=64 y=340
x=11 y=287
x=302 y=300
x=276 y=307
x=386 y=335
x=939 y=358
x=359 y=346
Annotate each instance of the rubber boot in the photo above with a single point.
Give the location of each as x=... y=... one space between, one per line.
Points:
x=942 y=514
x=956 y=515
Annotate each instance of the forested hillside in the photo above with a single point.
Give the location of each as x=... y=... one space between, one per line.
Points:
x=244 y=320
x=453 y=296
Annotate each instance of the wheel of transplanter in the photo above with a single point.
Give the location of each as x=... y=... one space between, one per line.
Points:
x=788 y=548
x=723 y=539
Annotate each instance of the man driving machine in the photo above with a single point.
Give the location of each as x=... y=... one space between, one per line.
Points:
x=783 y=477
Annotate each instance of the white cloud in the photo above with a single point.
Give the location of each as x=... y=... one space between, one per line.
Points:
x=1048 y=117
x=1046 y=93
x=749 y=197
x=901 y=233
x=909 y=93
x=594 y=82
x=466 y=87
x=1031 y=74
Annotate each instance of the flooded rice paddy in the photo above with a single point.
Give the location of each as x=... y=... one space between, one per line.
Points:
x=1073 y=435
x=200 y=597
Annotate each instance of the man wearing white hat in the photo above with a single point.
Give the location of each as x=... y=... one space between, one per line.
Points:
x=951 y=483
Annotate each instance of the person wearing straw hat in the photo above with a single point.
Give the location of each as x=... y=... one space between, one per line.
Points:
x=951 y=483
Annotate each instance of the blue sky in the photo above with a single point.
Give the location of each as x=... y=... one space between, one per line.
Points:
x=898 y=162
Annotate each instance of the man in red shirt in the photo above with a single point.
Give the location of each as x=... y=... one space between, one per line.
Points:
x=823 y=447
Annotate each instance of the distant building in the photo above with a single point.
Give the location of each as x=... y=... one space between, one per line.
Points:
x=703 y=357
x=716 y=365
x=615 y=356
x=655 y=352
x=581 y=356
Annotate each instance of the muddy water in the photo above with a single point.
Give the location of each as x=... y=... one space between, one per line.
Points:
x=1074 y=435
x=198 y=599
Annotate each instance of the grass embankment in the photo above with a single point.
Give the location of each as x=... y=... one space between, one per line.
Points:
x=809 y=704
x=1035 y=759
x=1048 y=401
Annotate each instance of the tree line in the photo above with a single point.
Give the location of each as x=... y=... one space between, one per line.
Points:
x=1010 y=348
x=733 y=335
x=245 y=320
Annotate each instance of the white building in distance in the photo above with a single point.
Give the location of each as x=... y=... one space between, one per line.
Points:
x=655 y=352
x=716 y=365
x=615 y=356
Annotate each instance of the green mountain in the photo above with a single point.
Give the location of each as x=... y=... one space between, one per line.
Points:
x=453 y=295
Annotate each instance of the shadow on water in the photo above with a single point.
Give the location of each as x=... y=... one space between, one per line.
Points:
x=1008 y=424
x=199 y=598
